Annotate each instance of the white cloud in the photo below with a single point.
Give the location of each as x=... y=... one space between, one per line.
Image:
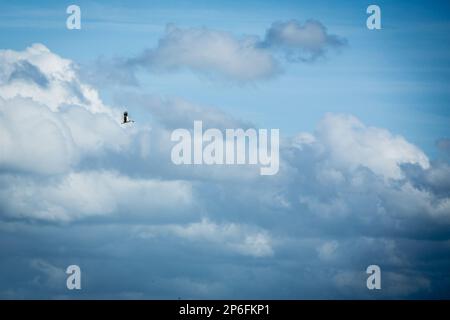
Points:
x=79 y=195
x=350 y=143
x=96 y=132
x=210 y=52
x=45 y=77
x=33 y=138
x=364 y=179
x=222 y=55
x=49 y=119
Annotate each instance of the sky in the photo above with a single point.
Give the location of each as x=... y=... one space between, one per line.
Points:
x=364 y=150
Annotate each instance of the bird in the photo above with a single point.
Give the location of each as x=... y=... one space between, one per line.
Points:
x=126 y=119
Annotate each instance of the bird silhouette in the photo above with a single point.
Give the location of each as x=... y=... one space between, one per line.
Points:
x=126 y=119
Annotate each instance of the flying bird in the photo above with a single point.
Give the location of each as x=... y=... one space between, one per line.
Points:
x=126 y=119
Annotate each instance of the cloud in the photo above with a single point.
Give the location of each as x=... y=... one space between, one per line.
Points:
x=350 y=143
x=45 y=77
x=209 y=52
x=49 y=118
x=237 y=238
x=77 y=186
x=221 y=55
x=327 y=250
x=45 y=144
x=88 y=148
x=347 y=172
x=33 y=138
x=50 y=275
x=435 y=179
x=302 y=42
x=174 y=112
x=80 y=195
x=36 y=139
x=26 y=71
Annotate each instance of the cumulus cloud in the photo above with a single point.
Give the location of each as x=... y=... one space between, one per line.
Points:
x=220 y=54
x=36 y=139
x=33 y=138
x=210 y=52
x=347 y=171
x=78 y=195
x=347 y=194
x=47 y=140
x=350 y=143
x=302 y=42
x=45 y=77
x=49 y=118
x=339 y=160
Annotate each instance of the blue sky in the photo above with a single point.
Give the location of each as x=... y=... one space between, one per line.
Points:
x=396 y=78
x=364 y=175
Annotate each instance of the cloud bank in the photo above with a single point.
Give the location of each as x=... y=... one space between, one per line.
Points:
x=78 y=186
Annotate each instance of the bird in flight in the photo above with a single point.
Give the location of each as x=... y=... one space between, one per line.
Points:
x=126 y=119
